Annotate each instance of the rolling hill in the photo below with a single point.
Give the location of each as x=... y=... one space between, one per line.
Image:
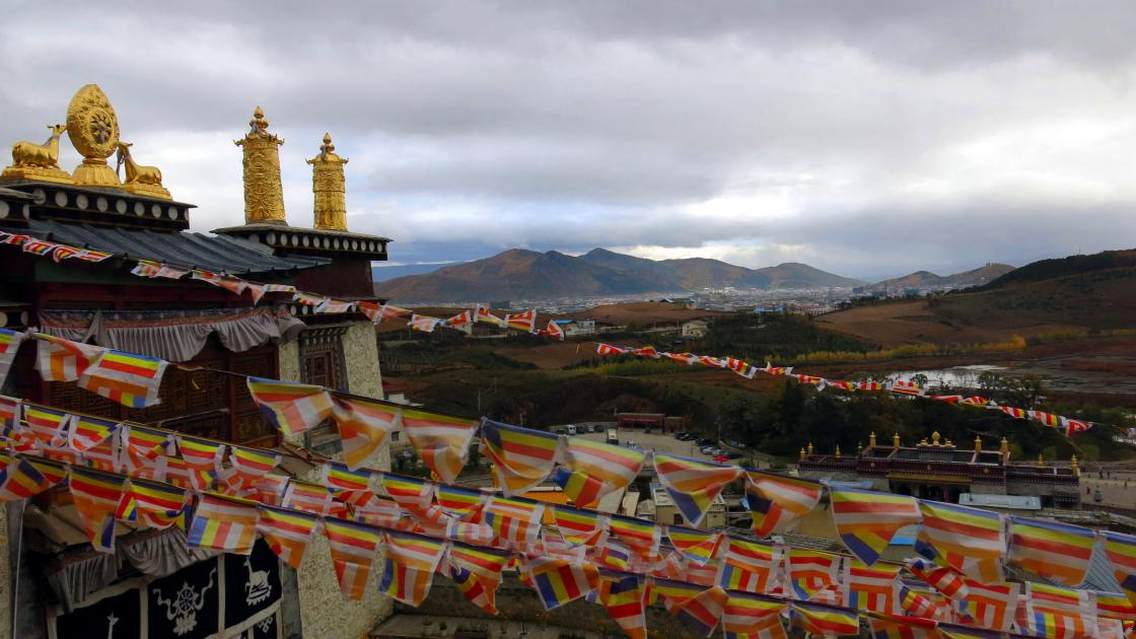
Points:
x=523 y=274
x=928 y=280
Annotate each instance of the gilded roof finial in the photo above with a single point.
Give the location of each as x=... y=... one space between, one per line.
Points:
x=810 y=448
x=872 y=439
x=838 y=451
x=1004 y=447
x=264 y=194
x=329 y=188
x=803 y=454
x=895 y=441
x=978 y=443
x=1076 y=468
x=935 y=437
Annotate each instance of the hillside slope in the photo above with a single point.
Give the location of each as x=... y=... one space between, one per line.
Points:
x=928 y=280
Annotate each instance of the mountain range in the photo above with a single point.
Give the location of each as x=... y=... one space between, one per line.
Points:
x=524 y=274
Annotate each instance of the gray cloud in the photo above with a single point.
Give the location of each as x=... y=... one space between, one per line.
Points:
x=863 y=137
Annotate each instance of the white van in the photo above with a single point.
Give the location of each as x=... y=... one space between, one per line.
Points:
x=571 y=429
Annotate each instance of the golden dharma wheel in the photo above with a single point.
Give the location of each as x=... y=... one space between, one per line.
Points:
x=92 y=124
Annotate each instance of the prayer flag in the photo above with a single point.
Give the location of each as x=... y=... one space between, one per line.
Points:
x=917 y=604
x=624 y=598
x=410 y=566
x=513 y=520
x=872 y=588
x=46 y=425
x=463 y=503
x=610 y=468
x=557 y=581
x=153 y=504
x=152 y=269
x=1055 y=612
x=953 y=631
x=824 y=620
x=10 y=408
x=699 y=546
x=578 y=527
x=311 y=498
x=204 y=457
x=61 y=360
x=22 y=478
x=479 y=592
x=441 y=441
x=9 y=344
x=867 y=521
x=484 y=315
x=641 y=536
x=776 y=502
x=1074 y=426
x=423 y=323
x=363 y=427
x=234 y=285
x=96 y=496
x=287 y=532
x=942 y=578
x=1053 y=550
x=812 y=572
x=1121 y=551
x=747 y=616
x=463 y=322
x=748 y=566
x=703 y=612
x=353 y=548
x=524 y=321
x=693 y=484
x=607 y=349
x=223 y=523
x=554 y=331
x=410 y=492
x=1115 y=605
x=249 y=465
x=521 y=457
x=127 y=378
x=888 y=627
x=291 y=408
x=969 y=540
x=269 y=489
x=88 y=432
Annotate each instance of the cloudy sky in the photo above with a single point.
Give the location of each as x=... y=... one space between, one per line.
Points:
x=866 y=138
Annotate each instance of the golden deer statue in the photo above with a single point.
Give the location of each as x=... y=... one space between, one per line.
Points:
x=45 y=156
x=140 y=179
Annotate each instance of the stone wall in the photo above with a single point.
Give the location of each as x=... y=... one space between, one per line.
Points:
x=324 y=611
x=361 y=356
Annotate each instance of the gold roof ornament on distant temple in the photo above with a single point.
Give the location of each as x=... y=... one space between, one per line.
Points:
x=329 y=188
x=1004 y=447
x=810 y=448
x=838 y=451
x=92 y=127
x=264 y=195
x=895 y=441
x=803 y=453
x=978 y=443
x=1074 y=466
x=872 y=439
x=140 y=179
x=31 y=161
x=935 y=437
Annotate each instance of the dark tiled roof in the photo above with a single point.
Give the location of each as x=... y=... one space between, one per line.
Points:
x=184 y=248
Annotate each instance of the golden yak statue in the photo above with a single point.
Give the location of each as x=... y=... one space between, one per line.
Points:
x=140 y=179
x=31 y=161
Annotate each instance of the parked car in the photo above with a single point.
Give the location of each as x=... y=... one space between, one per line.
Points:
x=571 y=429
x=705 y=441
x=561 y=431
x=706 y=450
x=721 y=459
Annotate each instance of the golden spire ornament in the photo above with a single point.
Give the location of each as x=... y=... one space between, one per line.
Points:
x=264 y=195
x=329 y=188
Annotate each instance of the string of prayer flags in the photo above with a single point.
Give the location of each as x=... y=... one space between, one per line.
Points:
x=127 y=378
x=410 y=492
x=10 y=409
x=703 y=612
x=777 y=502
x=484 y=565
x=463 y=322
x=410 y=566
x=1056 y=612
x=143 y=446
x=46 y=425
x=441 y=441
x=699 y=546
x=522 y=457
x=287 y=532
x=557 y=581
x=1053 y=550
x=423 y=323
x=693 y=485
x=463 y=503
x=347 y=485
x=748 y=566
x=1115 y=605
x=867 y=521
x=823 y=620
x=920 y=603
x=9 y=344
x=942 y=578
x=554 y=331
x=604 y=350
x=595 y=469
x=625 y=599
x=248 y=465
x=269 y=489
x=311 y=498
x=482 y=314
x=223 y=523
x=969 y=540
x=872 y=588
x=96 y=497
x=363 y=427
x=292 y=408
x=353 y=547
x=1121 y=551
x=204 y=457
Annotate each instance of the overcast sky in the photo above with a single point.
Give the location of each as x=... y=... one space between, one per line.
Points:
x=865 y=138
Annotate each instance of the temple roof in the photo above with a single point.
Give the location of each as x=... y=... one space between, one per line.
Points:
x=180 y=248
